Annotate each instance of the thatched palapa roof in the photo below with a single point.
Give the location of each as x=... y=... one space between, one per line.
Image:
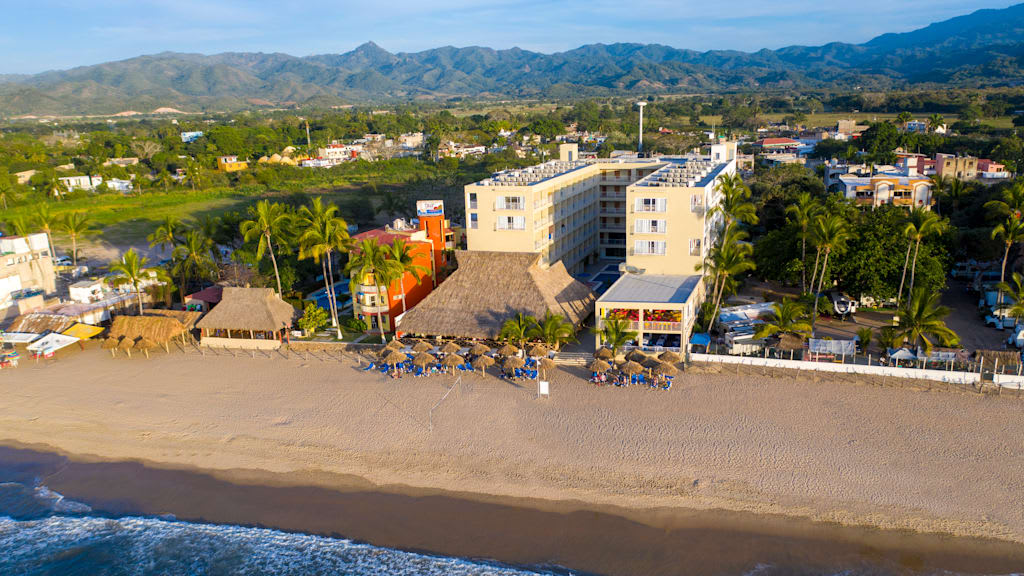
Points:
x=490 y=287
x=257 y=309
x=158 y=329
x=187 y=317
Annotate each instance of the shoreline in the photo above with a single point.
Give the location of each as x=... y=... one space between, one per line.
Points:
x=524 y=533
x=828 y=451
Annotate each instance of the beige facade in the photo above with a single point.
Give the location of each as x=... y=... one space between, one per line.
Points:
x=956 y=167
x=26 y=268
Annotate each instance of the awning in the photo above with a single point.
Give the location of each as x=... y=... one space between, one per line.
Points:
x=19 y=337
x=837 y=347
x=52 y=342
x=902 y=354
x=700 y=339
x=82 y=331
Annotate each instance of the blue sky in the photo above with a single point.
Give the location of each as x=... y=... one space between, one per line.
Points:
x=41 y=35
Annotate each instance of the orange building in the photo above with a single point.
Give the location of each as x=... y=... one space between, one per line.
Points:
x=428 y=243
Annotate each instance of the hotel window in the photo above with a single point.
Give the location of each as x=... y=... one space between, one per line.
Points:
x=650 y=204
x=509 y=203
x=645 y=247
x=473 y=221
x=642 y=226
x=696 y=203
x=472 y=200
x=511 y=223
x=695 y=246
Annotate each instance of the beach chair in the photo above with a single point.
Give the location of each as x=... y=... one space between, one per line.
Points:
x=419 y=371
x=370 y=367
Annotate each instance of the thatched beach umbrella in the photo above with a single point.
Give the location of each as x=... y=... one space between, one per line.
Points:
x=508 y=350
x=663 y=369
x=636 y=356
x=423 y=359
x=144 y=344
x=599 y=365
x=513 y=362
x=422 y=346
x=395 y=357
x=630 y=368
x=670 y=357
x=537 y=350
x=453 y=360
x=547 y=365
x=604 y=353
x=126 y=344
x=394 y=345
x=110 y=343
x=482 y=362
x=450 y=348
x=479 y=349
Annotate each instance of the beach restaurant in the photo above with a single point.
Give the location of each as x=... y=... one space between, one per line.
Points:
x=251 y=318
x=660 y=308
x=488 y=288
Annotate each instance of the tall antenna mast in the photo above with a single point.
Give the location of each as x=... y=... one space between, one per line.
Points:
x=640 y=141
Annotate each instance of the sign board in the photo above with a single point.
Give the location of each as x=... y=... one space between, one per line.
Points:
x=430 y=208
x=543 y=388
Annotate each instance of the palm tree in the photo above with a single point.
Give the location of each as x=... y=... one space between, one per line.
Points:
x=400 y=253
x=903 y=118
x=194 y=173
x=922 y=223
x=164 y=179
x=1011 y=232
x=193 y=259
x=5 y=188
x=517 y=328
x=54 y=186
x=787 y=318
x=369 y=259
x=1016 y=293
x=267 y=219
x=921 y=321
x=323 y=233
x=830 y=234
x=390 y=203
x=729 y=258
x=1011 y=204
x=76 y=225
x=939 y=185
x=935 y=121
x=615 y=333
x=735 y=205
x=957 y=190
x=46 y=221
x=131 y=269
x=802 y=213
x=166 y=235
x=553 y=330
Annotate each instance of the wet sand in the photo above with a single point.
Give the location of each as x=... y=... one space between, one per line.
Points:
x=522 y=532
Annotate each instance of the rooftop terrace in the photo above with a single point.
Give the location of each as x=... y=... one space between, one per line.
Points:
x=651 y=289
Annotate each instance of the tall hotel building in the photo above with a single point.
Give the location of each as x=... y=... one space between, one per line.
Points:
x=654 y=215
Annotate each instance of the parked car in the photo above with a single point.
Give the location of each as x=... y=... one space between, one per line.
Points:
x=62 y=261
x=1016 y=338
x=843 y=304
x=1000 y=318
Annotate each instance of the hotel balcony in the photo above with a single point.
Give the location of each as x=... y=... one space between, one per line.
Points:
x=367 y=309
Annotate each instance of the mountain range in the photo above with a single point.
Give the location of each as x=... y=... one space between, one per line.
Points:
x=981 y=49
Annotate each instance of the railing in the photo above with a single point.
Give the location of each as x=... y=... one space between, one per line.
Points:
x=374 y=309
x=663 y=326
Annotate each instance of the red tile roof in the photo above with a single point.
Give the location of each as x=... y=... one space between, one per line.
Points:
x=777 y=142
x=210 y=295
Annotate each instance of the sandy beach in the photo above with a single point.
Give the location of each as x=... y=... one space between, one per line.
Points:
x=841 y=452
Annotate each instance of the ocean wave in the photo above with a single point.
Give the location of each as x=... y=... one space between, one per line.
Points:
x=149 y=546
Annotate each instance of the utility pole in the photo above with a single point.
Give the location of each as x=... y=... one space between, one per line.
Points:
x=640 y=142
x=308 y=144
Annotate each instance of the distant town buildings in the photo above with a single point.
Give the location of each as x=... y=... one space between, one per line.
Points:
x=231 y=164
x=187 y=137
